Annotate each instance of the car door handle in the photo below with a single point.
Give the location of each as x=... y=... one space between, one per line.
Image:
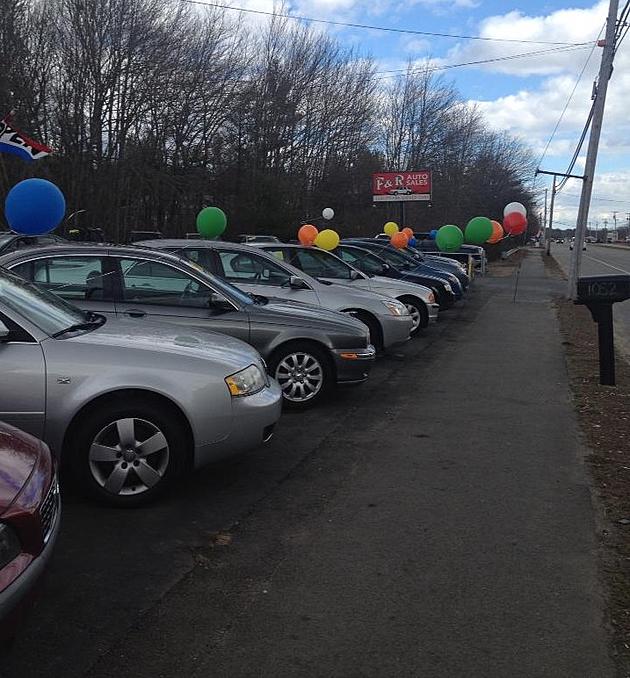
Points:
x=135 y=313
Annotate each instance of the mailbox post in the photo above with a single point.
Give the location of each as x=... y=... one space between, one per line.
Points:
x=598 y=293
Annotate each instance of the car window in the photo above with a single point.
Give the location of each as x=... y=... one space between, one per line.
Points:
x=152 y=282
x=201 y=256
x=277 y=253
x=320 y=264
x=73 y=278
x=243 y=267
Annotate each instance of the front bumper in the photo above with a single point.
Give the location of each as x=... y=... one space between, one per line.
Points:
x=253 y=420
x=353 y=365
x=396 y=329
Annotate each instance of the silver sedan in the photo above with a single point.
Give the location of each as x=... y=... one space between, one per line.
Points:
x=260 y=273
x=129 y=406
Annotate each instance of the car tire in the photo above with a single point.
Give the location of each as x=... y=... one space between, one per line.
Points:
x=376 y=333
x=418 y=311
x=106 y=455
x=304 y=371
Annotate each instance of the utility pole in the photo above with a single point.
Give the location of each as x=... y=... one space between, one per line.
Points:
x=605 y=72
x=555 y=175
x=553 y=201
x=546 y=233
x=615 y=220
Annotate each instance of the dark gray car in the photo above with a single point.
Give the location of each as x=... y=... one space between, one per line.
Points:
x=307 y=349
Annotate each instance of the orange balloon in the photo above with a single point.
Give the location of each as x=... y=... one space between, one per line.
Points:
x=497 y=233
x=399 y=240
x=307 y=234
x=408 y=232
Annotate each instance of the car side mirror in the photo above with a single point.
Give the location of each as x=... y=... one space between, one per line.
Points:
x=354 y=275
x=297 y=283
x=4 y=332
x=385 y=268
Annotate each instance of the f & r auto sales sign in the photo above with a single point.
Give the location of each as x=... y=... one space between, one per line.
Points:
x=401 y=186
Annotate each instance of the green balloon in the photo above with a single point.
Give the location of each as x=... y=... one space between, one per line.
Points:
x=449 y=238
x=478 y=230
x=211 y=222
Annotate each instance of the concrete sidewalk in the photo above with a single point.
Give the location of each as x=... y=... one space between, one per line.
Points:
x=447 y=532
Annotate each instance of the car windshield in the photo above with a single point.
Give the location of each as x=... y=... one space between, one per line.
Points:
x=363 y=260
x=44 y=309
x=395 y=258
x=320 y=264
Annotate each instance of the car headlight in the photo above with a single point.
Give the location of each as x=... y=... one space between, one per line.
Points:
x=9 y=545
x=246 y=382
x=395 y=307
x=447 y=287
x=431 y=298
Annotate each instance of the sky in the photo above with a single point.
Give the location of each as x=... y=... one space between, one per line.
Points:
x=524 y=96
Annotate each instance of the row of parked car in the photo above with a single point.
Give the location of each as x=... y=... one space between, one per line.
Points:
x=137 y=363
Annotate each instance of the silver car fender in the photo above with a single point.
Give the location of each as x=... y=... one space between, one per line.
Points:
x=73 y=383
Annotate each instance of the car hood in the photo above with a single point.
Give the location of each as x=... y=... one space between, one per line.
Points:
x=161 y=338
x=396 y=288
x=295 y=313
x=19 y=456
x=387 y=287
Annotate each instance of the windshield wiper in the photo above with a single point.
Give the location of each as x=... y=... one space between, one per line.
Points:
x=92 y=323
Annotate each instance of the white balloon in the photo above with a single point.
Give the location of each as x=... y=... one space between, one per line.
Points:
x=328 y=213
x=515 y=207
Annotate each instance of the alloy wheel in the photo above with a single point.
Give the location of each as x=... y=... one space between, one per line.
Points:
x=129 y=456
x=300 y=375
x=416 y=318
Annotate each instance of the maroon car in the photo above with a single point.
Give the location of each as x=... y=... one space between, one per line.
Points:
x=29 y=520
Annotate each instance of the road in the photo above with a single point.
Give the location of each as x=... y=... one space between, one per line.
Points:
x=436 y=521
x=600 y=260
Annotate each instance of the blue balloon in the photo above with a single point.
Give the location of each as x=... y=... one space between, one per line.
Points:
x=433 y=234
x=413 y=242
x=34 y=207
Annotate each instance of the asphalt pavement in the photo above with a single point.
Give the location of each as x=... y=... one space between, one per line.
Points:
x=602 y=260
x=436 y=521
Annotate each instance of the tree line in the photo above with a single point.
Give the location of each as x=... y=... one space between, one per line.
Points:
x=157 y=108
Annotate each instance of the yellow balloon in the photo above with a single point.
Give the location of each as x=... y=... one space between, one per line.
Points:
x=327 y=239
x=390 y=228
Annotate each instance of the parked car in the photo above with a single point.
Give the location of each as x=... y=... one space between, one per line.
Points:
x=327 y=266
x=307 y=349
x=256 y=271
x=438 y=263
x=29 y=521
x=10 y=242
x=426 y=244
x=127 y=405
x=446 y=294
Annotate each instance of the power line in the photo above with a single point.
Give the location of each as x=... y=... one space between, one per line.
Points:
x=578 y=148
x=566 y=106
x=394 y=72
x=601 y=198
x=347 y=24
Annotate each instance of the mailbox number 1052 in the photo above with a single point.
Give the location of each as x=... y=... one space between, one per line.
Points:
x=602 y=289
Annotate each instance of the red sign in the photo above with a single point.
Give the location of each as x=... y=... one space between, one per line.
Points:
x=401 y=186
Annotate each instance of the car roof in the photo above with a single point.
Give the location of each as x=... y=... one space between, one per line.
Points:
x=84 y=248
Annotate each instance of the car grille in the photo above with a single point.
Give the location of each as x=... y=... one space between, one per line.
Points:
x=49 y=509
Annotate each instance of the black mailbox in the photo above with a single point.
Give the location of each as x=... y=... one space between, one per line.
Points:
x=598 y=293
